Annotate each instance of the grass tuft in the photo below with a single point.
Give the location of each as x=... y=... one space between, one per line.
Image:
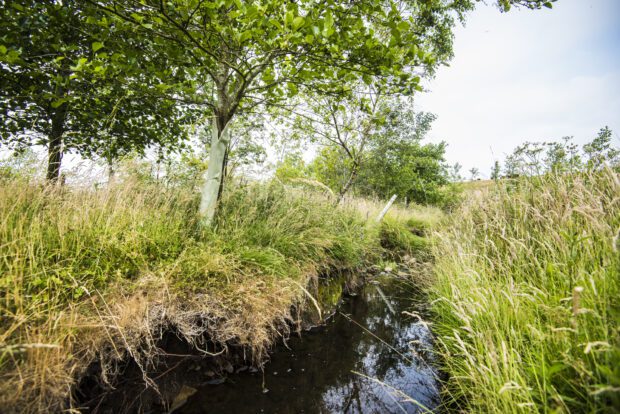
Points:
x=100 y=275
x=526 y=296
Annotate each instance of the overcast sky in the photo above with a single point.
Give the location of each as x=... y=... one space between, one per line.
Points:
x=527 y=76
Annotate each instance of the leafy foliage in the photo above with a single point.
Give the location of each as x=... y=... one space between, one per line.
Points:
x=396 y=162
x=600 y=150
x=536 y=158
x=72 y=86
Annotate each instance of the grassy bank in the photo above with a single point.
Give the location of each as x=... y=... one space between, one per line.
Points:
x=527 y=296
x=100 y=275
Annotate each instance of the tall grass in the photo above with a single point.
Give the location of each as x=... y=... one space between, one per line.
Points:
x=61 y=252
x=100 y=275
x=527 y=296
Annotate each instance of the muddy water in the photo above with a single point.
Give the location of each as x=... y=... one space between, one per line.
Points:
x=369 y=357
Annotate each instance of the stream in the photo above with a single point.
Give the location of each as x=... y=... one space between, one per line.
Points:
x=368 y=357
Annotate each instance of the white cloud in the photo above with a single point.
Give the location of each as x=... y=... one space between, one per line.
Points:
x=527 y=75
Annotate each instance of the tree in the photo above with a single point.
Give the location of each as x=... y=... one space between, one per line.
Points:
x=398 y=161
x=454 y=172
x=562 y=156
x=600 y=150
x=536 y=158
x=66 y=65
x=495 y=171
x=347 y=125
x=394 y=162
x=474 y=173
x=240 y=55
x=59 y=90
x=291 y=167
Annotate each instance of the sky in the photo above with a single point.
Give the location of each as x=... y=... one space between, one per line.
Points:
x=527 y=76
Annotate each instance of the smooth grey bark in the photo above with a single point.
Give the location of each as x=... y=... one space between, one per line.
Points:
x=349 y=182
x=215 y=173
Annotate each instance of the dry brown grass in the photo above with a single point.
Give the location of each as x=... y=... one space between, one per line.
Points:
x=101 y=275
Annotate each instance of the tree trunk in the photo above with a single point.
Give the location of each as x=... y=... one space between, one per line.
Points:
x=55 y=143
x=215 y=172
x=111 y=171
x=348 y=184
x=224 y=174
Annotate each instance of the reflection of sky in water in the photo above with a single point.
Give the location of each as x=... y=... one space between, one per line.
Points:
x=413 y=377
x=314 y=375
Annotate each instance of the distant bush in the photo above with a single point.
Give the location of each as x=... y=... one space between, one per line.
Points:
x=23 y=164
x=536 y=158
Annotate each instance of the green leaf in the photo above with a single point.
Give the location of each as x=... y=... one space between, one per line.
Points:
x=96 y=46
x=137 y=17
x=288 y=18
x=59 y=102
x=329 y=19
x=298 y=22
x=245 y=36
x=292 y=89
x=328 y=23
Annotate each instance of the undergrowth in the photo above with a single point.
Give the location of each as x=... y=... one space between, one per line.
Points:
x=101 y=275
x=527 y=296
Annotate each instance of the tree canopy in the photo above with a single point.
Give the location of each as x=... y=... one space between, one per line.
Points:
x=110 y=76
x=396 y=161
x=60 y=90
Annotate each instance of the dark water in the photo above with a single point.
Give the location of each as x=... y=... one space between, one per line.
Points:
x=368 y=358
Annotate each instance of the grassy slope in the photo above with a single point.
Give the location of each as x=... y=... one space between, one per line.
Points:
x=100 y=275
x=527 y=296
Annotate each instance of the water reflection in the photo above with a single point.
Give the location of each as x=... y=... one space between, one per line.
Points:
x=364 y=360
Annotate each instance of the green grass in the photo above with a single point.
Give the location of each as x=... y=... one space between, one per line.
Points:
x=98 y=275
x=400 y=236
x=527 y=296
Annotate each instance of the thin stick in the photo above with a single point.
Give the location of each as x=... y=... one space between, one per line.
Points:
x=386 y=208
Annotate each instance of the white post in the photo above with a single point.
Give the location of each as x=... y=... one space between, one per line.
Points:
x=213 y=176
x=386 y=208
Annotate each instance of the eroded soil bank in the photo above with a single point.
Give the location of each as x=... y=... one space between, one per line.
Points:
x=369 y=351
